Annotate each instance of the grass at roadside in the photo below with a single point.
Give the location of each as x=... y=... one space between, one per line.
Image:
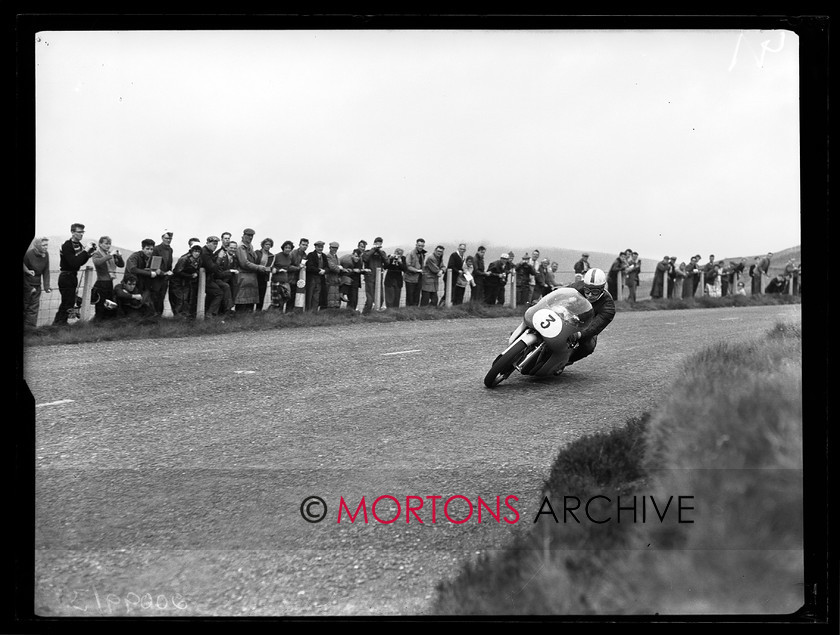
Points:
x=119 y=330
x=729 y=436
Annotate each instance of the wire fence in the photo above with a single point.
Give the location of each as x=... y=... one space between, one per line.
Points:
x=50 y=302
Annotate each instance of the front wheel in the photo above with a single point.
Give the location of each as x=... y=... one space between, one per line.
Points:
x=503 y=366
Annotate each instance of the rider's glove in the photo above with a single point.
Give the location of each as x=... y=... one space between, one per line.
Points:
x=574 y=337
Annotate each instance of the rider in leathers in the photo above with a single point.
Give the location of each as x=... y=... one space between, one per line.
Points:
x=592 y=287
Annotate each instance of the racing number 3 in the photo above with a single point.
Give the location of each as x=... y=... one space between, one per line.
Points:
x=547 y=322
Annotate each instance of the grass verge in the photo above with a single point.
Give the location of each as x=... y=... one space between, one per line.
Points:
x=729 y=440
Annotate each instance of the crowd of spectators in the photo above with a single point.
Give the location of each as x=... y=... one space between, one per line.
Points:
x=238 y=276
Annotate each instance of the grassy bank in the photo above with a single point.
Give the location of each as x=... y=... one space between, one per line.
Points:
x=119 y=330
x=729 y=439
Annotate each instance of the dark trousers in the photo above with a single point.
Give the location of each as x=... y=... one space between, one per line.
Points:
x=428 y=298
x=104 y=290
x=262 y=287
x=213 y=296
x=392 y=295
x=352 y=293
x=67 y=283
x=290 y=303
x=157 y=293
x=313 y=293
x=477 y=293
x=458 y=294
x=584 y=348
x=412 y=293
x=370 y=290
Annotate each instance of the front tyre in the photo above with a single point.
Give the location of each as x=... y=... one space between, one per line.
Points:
x=503 y=366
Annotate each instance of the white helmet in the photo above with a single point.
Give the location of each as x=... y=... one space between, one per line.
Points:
x=594 y=281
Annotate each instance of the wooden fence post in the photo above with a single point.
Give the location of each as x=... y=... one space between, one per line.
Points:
x=87 y=285
x=448 y=293
x=202 y=287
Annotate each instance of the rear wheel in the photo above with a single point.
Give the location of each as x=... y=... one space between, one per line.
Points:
x=503 y=366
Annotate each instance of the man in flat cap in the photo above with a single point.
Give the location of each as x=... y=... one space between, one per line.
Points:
x=316 y=268
x=582 y=265
x=496 y=279
x=373 y=259
x=331 y=297
x=247 y=292
x=658 y=288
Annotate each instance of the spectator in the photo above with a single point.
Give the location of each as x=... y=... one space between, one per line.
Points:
x=551 y=282
x=524 y=273
x=741 y=290
x=295 y=269
x=631 y=273
x=36 y=267
x=694 y=268
x=106 y=264
x=616 y=269
x=414 y=264
x=351 y=278
x=789 y=273
x=72 y=257
x=332 y=279
x=725 y=277
x=540 y=287
x=226 y=236
x=280 y=289
x=138 y=265
x=672 y=275
x=233 y=262
x=680 y=275
x=532 y=280
x=191 y=242
x=316 y=267
x=217 y=294
x=185 y=280
x=761 y=269
x=737 y=272
x=248 y=293
x=265 y=259
x=226 y=272
x=710 y=276
x=582 y=265
x=468 y=275
x=777 y=284
x=395 y=269
x=432 y=271
x=658 y=288
x=496 y=280
x=129 y=299
x=373 y=259
x=160 y=283
x=479 y=275
x=456 y=267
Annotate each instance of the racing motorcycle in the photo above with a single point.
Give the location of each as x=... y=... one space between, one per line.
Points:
x=540 y=345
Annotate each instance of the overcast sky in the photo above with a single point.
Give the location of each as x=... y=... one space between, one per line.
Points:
x=670 y=142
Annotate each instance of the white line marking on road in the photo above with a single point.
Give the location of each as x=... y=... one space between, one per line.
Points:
x=245 y=372
x=54 y=403
x=732 y=318
x=414 y=350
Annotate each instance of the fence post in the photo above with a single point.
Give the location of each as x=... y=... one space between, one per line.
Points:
x=448 y=293
x=511 y=283
x=621 y=285
x=377 y=290
x=665 y=281
x=702 y=282
x=300 y=288
x=87 y=285
x=202 y=287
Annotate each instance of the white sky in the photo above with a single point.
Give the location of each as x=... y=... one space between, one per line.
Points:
x=669 y=142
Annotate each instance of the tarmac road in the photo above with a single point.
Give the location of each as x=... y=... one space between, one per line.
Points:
x=170 y=473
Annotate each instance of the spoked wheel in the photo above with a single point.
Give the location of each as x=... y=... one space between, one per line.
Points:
x=503 y=366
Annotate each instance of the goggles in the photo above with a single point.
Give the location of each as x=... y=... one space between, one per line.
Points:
x=593 y=293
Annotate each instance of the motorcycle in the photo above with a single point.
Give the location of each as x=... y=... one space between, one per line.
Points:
x=540 y=346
